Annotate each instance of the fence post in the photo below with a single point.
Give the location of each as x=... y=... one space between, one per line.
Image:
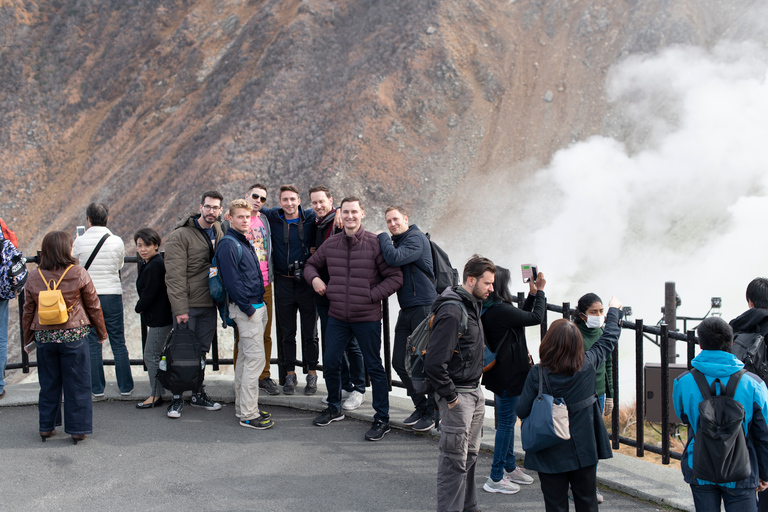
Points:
x=691 y=347
x=24 y=355
x=615 y=411
x=544 y=321
x=670 y=318
x=567 y=310
x=387 y=348
x=664 y=394
x=639 y=398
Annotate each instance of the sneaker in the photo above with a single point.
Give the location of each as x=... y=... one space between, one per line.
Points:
x=127 y=393
x=327 y=417
x=259 y=423
x=518 y=476
x=377 y=430
x=98 y=395
x=344 y=395
x=311 y=387
x=203 y=400
x=269 y=386
x=426 y=422
x=2 y=394
x=289 y=387
x=174 y=410
x=354 y=401
x=503 y=486
x=413 y=418
x=599 y=497
x=264 y=414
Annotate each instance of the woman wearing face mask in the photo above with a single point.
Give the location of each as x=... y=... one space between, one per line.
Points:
x=154 y=308
x=589 y=318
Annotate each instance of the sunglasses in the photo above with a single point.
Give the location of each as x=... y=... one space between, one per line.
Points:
x=259 y=198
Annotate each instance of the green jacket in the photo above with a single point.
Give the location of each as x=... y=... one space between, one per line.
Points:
x=188 y=255
x=604 y=376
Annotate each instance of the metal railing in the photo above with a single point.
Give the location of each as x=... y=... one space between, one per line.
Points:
x=666 y=336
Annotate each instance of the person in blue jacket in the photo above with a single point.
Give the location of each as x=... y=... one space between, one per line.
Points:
x=715 y=361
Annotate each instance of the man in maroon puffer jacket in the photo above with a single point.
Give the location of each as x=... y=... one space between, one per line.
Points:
x=359 y=280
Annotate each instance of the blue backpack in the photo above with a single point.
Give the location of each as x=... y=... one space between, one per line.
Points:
x=13 y=269
x=216 y=285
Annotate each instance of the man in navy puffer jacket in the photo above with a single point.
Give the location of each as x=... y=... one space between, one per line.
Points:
x=359 y=280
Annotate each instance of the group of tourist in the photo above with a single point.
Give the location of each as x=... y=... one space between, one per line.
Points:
x=321 y=263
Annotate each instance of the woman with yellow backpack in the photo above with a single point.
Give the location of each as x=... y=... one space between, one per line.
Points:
x=60 y=309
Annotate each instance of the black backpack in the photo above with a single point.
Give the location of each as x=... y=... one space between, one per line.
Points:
x=720 y=452
x=750 y=348
x=183 y=361
x=445 y=275
x=418 y=344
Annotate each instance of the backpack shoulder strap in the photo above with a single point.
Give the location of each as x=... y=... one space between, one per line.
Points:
x=44 y=279
x=464 y=315
x=239 y=247
x=733 y=382
x=701 y=381
x=95 y=251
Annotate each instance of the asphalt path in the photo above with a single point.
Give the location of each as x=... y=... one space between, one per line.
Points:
x=142 y=460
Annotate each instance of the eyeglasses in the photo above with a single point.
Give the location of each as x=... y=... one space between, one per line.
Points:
x=210 y=208
x=257 y=197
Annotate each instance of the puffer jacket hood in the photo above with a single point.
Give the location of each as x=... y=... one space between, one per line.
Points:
x=717 y=363
x=751 y=320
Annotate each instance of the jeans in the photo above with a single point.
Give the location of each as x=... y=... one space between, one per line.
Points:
x=707 y=498
x=368 y=335
x=504 y=445
x=583 y=482
x=461 y=429
x=153 y=351
x=251 y=357
x=202 y=321
x=293 y=296
x=3 y=341
x=65 y=367
x=112 y=307
x=352 y=364
x=407 y=321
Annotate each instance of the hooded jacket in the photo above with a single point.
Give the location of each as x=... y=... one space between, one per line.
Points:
x=589 y=439
x=451 y=360
x=243 y=279
x=752 y=320
x=412 y=253
x=751 y=393
x=359 y=277
x=188 y=255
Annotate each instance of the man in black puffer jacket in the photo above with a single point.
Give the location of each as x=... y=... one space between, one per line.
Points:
x=454 y=365
x=409 y=249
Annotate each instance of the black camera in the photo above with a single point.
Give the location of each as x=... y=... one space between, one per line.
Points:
x=296 y=268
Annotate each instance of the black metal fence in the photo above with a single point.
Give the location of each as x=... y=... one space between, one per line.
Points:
x=667 y=339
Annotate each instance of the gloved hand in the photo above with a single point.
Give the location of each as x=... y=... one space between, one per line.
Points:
x=608 y=409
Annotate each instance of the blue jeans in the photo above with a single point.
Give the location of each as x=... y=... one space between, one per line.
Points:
x=707 y=498
x=368 y=336
x=3 y=341
x=352 y=365
x=64 y=367
x=504 y=445
x=112 y=307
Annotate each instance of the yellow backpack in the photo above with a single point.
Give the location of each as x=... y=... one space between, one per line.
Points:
x=51 y=308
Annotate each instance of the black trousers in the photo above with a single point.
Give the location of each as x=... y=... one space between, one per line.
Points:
x=583 y=482
x=293 y=296
x=407 y=321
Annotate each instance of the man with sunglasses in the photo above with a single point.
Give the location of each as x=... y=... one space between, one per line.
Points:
x=189 y=250
x=259 y=235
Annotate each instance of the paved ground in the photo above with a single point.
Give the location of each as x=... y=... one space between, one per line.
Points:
x=142 y=460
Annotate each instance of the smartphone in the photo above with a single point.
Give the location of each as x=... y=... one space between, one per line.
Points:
x=80 y=230
x=30 y=346
x=529 y=272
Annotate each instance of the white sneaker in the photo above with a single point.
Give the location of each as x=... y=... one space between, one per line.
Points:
x=599 y=497
x=354 y=401
x=344 y=395
x=503 y=486
x=517 y=476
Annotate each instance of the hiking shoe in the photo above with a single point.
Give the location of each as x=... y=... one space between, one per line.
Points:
x=174 y=410
x=354 y=401
x=289 y=387
x=503 y=486
x=413 y=418
x=377 y=430
x=269 y=386
x=259 y=423
x=327 y=417
x=344 y=395
x=426 y=422
x=311 y=387
x=203 y=400
x=599 y=497
x=517 y=476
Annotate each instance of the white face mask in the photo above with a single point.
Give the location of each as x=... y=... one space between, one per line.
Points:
x=595 y=321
